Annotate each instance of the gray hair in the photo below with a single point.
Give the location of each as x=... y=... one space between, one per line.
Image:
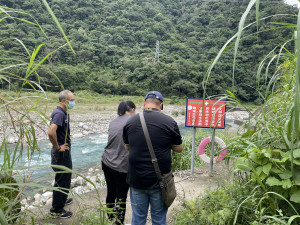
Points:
x=63 y=95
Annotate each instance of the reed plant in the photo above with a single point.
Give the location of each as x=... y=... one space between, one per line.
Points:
x=20 y=109
x=267 y=153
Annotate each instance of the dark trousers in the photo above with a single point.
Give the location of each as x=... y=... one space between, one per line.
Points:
x=62 y=179
x=117 y=190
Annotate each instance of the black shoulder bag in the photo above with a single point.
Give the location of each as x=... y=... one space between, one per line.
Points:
x=166 y=181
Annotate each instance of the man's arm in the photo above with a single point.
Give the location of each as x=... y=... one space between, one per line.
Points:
x=127 y=147
x=177 y=148
x=53 y=138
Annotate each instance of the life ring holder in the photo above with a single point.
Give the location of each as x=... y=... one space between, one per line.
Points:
x=206 y=141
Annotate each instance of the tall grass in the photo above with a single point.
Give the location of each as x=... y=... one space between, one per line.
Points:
x=268 y=151
x=18 y=113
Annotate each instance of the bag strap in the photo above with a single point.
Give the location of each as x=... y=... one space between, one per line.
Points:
x=150 y=147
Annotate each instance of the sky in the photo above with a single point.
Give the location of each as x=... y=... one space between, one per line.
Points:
x=293 y=2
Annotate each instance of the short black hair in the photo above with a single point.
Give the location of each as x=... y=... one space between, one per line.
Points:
x=125 y=106
x=154 y=101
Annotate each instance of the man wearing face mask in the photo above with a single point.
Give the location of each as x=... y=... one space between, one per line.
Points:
x=59 y=135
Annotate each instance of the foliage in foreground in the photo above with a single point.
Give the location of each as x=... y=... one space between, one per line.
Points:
x=18 y=116
x=268 y=153
x=239 y=202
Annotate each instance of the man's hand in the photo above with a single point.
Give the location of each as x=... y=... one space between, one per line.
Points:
x=64 y=147
x=177 y=148
x=53 y=139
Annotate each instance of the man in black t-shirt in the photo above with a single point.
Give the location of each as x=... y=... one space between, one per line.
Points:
x=142 y=179
x=59 y=135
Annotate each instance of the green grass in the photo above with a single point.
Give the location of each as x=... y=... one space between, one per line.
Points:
x=84 y=97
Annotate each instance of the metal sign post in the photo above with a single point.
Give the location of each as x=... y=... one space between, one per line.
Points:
x=211 y=165
x=204 y=113
x=193 y=150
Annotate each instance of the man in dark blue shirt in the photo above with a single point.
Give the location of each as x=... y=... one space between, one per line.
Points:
x=142 y=179
x=59 y=135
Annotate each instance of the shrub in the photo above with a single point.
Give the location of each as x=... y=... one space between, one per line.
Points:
x=231 y=203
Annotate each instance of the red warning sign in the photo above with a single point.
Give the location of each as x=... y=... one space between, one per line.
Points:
x=205 y=113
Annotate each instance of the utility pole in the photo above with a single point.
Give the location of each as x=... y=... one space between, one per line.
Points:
x=156 y=52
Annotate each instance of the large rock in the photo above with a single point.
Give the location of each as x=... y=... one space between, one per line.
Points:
x=49 y=201
x=73 y=182
x=24 y=201
x=78 y=135
x=79 y=190
x=86 y=127
x=85 y=133
x=37 y=197
x=12 y=140
x=46 y=196
x=80 y=181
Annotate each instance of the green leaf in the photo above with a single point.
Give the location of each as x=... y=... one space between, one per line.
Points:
x=272 y=181
x=266 y=168
x=296 y=153
x=285 y=159
x=239 y=34
x=267 y=153
x=275 y=170
x=297 y=177
x=259 y=169
x=279 y=145
x=276 y=160
x=285 y=174
x=242 y=164
x=295 y=197
x=2 y=218
x=249 y=133
x=297 y=162
x=58 y=24
x=286 y=184
x=263 y=176
x=277 y=152
x=285 y=154
x=257 y=158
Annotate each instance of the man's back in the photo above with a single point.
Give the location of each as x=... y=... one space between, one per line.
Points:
x=164 y=133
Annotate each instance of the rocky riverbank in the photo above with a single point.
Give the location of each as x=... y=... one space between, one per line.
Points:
x=93 y=179
x=84 y=123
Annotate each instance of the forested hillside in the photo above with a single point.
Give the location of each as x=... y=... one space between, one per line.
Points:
x=115 y=44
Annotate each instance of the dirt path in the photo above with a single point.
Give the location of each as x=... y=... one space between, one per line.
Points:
x=188 y=188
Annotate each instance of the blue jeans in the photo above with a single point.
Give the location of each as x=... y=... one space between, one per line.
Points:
x=140 y=200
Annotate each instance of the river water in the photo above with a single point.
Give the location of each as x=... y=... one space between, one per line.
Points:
x=86 y=153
